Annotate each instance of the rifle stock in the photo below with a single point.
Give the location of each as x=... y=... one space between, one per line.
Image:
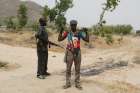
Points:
x=54 y=44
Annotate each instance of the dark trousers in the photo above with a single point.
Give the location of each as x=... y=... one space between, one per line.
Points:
x=70 y=58
x=42 y=62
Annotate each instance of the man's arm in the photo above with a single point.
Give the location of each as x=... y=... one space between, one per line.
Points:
x=86 y=38
x=41 y=34
x=61 y=37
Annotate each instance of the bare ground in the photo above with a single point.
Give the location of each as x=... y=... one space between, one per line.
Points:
x=20 y=76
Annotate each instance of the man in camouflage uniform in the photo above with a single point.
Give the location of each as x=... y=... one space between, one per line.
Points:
x=42 y=49
x=73 y=52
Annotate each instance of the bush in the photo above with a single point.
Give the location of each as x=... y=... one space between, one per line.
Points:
x=22 y=15
x=0 y=23
x=35 y=26
x=11 y=23
x=60 y=22
x=109 y=39
x=116 y=29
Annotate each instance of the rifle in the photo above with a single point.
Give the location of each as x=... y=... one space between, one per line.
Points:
x=52 y=43
x=38 y=37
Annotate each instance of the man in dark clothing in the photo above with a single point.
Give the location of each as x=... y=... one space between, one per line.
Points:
x=73 y=51
x=42 y=49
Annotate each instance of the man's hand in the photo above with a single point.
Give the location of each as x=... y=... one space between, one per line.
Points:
x=61 y=37
x=85 y=30
x=87 y=35
x=61 y=30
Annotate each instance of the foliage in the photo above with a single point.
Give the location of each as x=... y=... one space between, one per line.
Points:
x=63 y=5
x=60 y=21
x=0 y=22
x=114 y=29
x=109 y=5
x=22 y=15
x=57 y=13
x=101 y=30
x=109 y=39
x=11 y=23
x=35 y=26
x=45 y=13
x=52 y=14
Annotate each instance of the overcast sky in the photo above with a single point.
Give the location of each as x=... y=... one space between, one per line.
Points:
x=87 y=12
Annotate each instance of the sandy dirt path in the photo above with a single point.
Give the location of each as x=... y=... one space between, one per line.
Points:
x=21 y=78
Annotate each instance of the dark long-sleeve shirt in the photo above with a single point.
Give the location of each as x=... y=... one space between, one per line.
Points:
x=42 y=39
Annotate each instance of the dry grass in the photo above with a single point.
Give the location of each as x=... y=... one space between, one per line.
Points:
x=114 y=86
x=27 y=39
x=122 y=87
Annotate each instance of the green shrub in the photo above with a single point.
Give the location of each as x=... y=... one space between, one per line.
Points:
x=11 y=23
x=114 y=29
x=109 y=39
x=22 y=15
x=35 y=27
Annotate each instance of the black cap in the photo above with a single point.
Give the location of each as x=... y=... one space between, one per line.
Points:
x=73 y=22
x=42 y=21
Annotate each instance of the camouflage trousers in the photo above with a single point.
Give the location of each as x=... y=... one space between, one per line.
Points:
x=71 y=58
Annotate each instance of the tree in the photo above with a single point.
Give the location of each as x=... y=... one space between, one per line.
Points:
x=35 y=26
x=52 y=14
x=22 y=15
x=10 y=24
x=61 y=7
x=60 y=22
x=45 y=13
x=109 y=5
x=57 y=13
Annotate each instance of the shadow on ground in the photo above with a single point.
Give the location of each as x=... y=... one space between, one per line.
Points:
x=102 y=66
